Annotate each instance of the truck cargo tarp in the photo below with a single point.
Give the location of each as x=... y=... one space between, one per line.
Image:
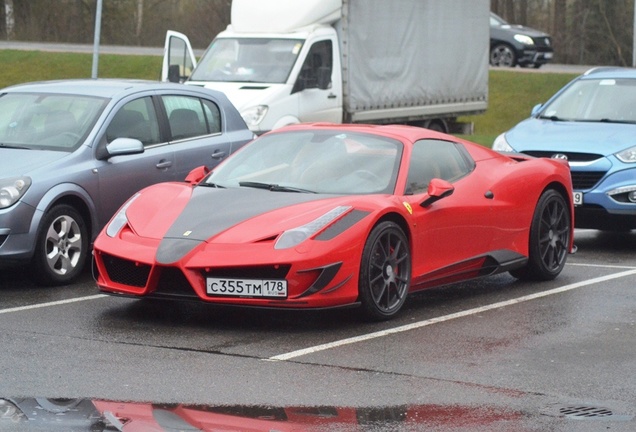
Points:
x=390 y=40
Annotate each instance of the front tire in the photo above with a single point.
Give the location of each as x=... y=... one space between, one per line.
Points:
x=503 y=55
x=385 y=272
x=61 y=246
x=549 y=238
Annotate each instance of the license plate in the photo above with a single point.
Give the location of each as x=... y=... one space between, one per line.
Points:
x=577 y=198
x=247 y=287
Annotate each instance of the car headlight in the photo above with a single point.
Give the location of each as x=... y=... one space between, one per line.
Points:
x=627 y=156
x=295 y=236
x=501 y=144
x=526 y=40
x=254 y=115
x=120 y=219
x=12 y=189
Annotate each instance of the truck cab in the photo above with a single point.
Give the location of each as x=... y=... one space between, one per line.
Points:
x=273 y=79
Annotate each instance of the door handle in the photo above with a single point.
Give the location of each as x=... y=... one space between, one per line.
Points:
x=218 y=154
x=164 y=164
x=331 y=96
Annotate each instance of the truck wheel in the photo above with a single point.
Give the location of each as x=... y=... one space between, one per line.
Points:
x=385 y=272
x=61 y=246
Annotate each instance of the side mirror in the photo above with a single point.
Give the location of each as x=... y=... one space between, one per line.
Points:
x=437 y=189
x=197 y=174
x=121 y=147
x=535 y=109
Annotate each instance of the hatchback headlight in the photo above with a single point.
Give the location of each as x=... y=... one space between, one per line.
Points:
x=12 y=189
x=627 y=156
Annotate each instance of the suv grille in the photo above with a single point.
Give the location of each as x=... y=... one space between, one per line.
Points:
x=573 y=157
x=586 y=179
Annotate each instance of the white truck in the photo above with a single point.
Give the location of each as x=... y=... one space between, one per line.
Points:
x=280 y=62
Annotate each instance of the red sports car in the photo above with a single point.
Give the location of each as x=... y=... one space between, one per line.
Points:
x=319 y=216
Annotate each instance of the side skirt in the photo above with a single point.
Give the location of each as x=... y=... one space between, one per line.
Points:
x=495 y=262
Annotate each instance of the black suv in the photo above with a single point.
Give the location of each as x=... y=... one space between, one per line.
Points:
x=512 y=45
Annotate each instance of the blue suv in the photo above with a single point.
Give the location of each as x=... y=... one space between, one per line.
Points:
x=591 y=122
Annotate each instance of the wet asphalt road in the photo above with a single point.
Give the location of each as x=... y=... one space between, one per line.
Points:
x=493 y=355
x=510 y=353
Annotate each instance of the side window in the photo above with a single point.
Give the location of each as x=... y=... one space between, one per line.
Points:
x=316 y=71
x=186 y=117
x=436 y=159
x=212 y=115
x=137 y=119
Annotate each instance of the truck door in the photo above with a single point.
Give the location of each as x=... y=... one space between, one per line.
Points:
x=178 y=58
x=319 y=84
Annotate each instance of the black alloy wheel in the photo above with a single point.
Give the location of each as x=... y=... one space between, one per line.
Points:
x=549 y=238
x=385 y=272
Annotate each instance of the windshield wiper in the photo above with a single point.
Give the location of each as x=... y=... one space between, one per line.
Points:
x=212 y=185
x=273 y=187
x=553 y=118
x=13 y=146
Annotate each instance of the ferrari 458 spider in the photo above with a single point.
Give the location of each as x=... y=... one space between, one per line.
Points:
x=319 y=216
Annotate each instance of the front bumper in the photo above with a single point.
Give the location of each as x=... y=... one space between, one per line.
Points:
x=602 y=210
x=316 y=277
x=17 y=239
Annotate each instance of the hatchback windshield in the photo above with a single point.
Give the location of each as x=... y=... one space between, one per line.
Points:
x=602 y=100
x=248 y=60
x=47 y=121
x=314 y=161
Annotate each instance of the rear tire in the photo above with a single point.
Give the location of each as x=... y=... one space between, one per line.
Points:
x=549 y=239
x=61 y=246
x=385 y=272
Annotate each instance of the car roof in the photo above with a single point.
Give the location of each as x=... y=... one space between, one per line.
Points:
x=610 y=72
x=101 y=87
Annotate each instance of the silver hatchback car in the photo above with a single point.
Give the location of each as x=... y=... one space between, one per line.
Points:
x=73 y=151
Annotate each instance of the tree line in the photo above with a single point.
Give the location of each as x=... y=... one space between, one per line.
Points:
x=594 y=32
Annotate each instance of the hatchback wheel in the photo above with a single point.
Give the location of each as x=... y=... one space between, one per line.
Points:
x=61 y=246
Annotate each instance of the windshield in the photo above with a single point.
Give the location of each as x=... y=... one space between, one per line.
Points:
x=47 y=121
x=248 y=60
x=607 y=100
x=320 y=161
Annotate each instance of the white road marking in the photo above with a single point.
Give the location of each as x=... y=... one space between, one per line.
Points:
x=54 y=303
x=602 y=266
x=379 y=334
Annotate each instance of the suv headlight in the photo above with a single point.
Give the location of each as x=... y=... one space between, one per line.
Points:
x=526 y=40
x=501 y=144
x=254 y=115
x=12 y=189
x=627 y=156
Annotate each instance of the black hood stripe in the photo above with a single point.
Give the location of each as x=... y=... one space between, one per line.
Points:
x=211 y=211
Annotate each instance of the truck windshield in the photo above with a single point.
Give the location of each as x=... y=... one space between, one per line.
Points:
x=248 y=60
